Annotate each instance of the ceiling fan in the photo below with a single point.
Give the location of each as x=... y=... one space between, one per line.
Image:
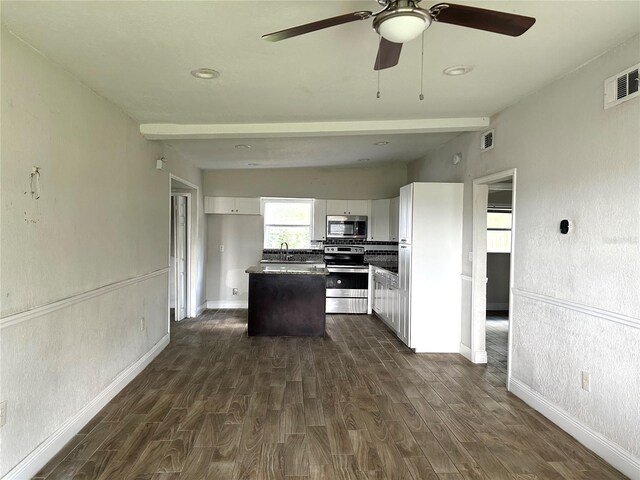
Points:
x=400 y=21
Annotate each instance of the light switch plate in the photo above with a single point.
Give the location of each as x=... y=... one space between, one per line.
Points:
x=586 y=381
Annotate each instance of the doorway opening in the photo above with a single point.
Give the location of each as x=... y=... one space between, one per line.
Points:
x=492 y=279
x=183 y=245
x=179 y=258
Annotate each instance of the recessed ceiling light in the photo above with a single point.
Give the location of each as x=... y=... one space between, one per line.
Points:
x=205 y=73
x=253 y=164
x=363 y=160
x=456 y=70
x=379 y=144
x=243 y=146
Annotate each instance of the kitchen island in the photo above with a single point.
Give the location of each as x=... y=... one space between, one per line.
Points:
x=287 y=300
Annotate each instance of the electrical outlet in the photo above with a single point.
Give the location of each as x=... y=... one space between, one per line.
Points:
x=235 y=291
x=3 y=413
x=586 y=381
x=221 y=247
x=142 y=324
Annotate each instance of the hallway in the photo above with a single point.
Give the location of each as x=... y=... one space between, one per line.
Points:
x=355 y=405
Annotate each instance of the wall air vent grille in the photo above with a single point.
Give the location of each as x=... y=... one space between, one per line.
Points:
x=486 y=141
x=621 y=87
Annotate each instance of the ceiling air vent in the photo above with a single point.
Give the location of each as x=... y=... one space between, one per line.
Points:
x=486 y=140
x=621 y=87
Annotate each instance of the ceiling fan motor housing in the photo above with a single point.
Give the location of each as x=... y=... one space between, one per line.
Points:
x=402 y=22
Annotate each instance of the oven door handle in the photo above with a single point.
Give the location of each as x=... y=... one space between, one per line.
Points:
x=347 y=270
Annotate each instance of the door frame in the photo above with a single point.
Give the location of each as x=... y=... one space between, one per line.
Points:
x=192 y=235
x=187 y=306
x=479 y=266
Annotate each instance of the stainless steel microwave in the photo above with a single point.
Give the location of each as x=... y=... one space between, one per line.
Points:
x=347 y=226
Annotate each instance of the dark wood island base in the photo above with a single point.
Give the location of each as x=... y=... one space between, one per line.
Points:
x=286 y=304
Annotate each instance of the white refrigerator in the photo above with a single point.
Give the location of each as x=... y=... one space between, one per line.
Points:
x=429 y=266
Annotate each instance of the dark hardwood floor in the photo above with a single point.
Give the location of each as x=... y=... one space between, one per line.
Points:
x=356 y=404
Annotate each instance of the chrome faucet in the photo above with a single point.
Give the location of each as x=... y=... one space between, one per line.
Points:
x=284 y=256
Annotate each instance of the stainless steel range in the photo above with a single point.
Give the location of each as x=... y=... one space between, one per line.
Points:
x=347 y=280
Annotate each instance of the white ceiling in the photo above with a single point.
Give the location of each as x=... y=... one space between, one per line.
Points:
x=139 y=55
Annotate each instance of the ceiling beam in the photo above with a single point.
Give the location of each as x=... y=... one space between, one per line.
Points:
x=173 y=131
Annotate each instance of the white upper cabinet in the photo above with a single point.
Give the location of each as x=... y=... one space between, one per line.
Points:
x=394 y=216
x=380 y=220
x=232 y=205
x=348 y=207
x=405 y=221
x=319 y=219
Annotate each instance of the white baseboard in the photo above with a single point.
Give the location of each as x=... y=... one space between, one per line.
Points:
x=201 y=309
x=609 y=451
x=227 y=304
x=479 y=356
x=500 y=307
x=39 y=457
x=465 y=351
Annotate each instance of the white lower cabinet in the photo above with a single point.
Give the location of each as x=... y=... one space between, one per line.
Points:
x=385 y=297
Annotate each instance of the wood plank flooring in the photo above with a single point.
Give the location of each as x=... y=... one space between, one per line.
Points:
x=497 y=344
x=354 y=405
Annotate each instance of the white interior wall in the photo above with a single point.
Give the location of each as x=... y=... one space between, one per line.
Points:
x=383 y=181
x=84 y=266
x=576 y=302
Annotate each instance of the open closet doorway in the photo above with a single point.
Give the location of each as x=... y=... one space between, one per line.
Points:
x=493 y=240
x=183 y=234
x=178 y=296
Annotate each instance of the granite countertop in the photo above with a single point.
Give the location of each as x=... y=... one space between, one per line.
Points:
x=287 y=270
x=385 y=265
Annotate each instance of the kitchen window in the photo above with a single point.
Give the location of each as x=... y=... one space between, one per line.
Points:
x=288 y=220
x=499 y=231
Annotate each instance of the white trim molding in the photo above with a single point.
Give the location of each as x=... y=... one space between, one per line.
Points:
x=479 y=357
x=579 y=307
x=609 y=451
x=465 y=351
x=213 y=304
x=35 y=312
x=201 y=309
x=39 y=457
x=466 y=278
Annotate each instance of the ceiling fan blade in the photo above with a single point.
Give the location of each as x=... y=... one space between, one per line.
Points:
x=388 y=54
x=319 y=25
x=482 y=19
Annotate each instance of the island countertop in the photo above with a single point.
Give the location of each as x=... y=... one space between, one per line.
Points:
x=287 y=270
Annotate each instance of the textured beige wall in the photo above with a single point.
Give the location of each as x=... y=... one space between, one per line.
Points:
x=102 y=218
x=338 y=183
x=575 y=160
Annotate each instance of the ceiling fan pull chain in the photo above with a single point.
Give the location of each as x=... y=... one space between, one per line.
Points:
x=378 y=92
x=421 y=96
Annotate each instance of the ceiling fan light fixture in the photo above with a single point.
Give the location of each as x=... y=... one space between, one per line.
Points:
x=402 y=24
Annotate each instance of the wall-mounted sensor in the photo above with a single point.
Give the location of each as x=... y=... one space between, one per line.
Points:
x=160 y=163
x=457 y=158
x=566 y=226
